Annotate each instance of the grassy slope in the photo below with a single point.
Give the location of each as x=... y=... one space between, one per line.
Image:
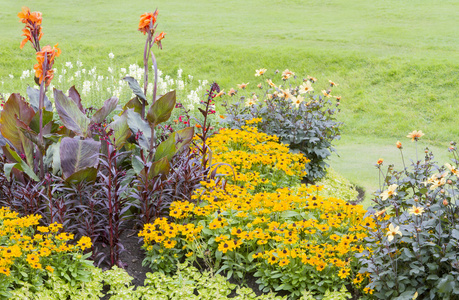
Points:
x=396 y=62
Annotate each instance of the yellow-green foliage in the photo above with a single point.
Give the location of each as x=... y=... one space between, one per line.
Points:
x=335 y=185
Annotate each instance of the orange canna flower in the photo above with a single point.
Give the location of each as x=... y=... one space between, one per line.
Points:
x=50 y=54
x=32 y=30
x=198 y=125
x=146 y=19
x=25 y=15
x=158 y=39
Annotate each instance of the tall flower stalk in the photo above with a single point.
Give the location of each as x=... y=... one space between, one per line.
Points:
x=147 y=25
x=44 y=72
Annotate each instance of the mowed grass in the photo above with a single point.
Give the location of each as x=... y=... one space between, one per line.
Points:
x=396 y=61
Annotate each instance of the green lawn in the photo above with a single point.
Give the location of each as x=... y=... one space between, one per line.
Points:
x=396 y=61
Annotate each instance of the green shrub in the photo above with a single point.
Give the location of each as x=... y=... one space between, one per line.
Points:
x=305 y=121
x=335 y=185
x=415 y=231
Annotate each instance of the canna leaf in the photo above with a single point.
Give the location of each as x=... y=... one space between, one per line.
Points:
x=70 y=115
x=53 y=158
x=121 y=130
x=136 y=124
x=183 y=138
x=167 y=148
x=77 y=155
x=105 y=110
x=161 y=167
x=87 y=174
x=15 y=107
x=34 y=99
x=135 y=104
x=161 y=110
x=20 y=165
x=75 y=96
x=135 y=87
x=35 y=123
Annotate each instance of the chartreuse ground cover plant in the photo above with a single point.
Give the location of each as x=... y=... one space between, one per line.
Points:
x=291 y=111
x=412 y=247
x=285 y=234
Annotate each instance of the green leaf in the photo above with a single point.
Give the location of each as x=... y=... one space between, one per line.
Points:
x=70 y=115
x=135 y=104
x=35 y=123
x=75 y=96
x=15 y=107
x=161 y=110
x=290 y=214
x=88 y=175
x=77 y=155
x=136 y=124
x=183 y=138
x=160 y=167
x=121 y=130
x=20 y=165
x=166 y=148
x=53 y=158
x=34 y=99
x=135 y=87
x=137 y=164
x=105 y=110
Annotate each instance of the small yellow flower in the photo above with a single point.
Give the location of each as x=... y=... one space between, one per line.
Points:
x=416 y=210
x=49 y=269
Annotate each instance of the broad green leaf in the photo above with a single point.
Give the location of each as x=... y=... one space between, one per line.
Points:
x=75 y=96
x=161 y=110
x=34 y=99
x=20 y=165
x=166 y=148
x=70 y=114
x=87 y=174
x=160 y=167
x=53 y=158
x=183 y=137
x=15 y=107
x=35 y=123
x=136 y=124
x=28 y=138
x=135 y=87
x=121 y=130
x=77 y=155
x=137 y=164
x=105 y=110
x=135 y=104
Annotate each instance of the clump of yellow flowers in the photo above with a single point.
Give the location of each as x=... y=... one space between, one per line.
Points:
x=30 y=249
x=287 y=235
